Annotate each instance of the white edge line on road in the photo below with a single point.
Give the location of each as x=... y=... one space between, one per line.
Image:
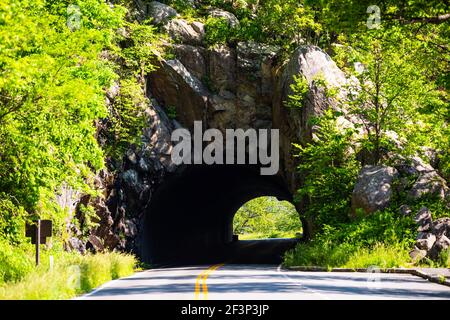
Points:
x=108 y=284
x=324 y=297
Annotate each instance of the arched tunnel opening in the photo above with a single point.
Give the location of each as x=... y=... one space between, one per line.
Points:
x=190 y=218
x=267 y=217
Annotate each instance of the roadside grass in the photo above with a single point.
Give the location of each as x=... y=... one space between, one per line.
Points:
x=346 y=255
x=382 y=239
x=71 y=274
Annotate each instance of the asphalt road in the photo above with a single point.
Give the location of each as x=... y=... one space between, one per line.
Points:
x=265 y=282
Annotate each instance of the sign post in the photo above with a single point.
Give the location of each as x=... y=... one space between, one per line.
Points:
x=38 y=232
x=38 y=240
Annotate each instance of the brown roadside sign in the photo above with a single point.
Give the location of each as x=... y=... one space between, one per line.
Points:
x=46 y=231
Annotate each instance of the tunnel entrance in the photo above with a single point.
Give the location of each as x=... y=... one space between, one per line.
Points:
x=190 y=217
x=267 y=218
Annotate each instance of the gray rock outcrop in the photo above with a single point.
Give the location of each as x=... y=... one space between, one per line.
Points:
x=373 y=189
x=433 y=236
x=160 y=12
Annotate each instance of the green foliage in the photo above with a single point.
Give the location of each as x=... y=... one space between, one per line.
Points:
x=72 y=273
x=171 y=112
x=286 y=24
x=218 y=31
x=300 y=89
x=95 y=270
x=266 y=217
x=12 y=220
x=51 y=92
x=143 y=49
x=329 y=170
x=55 y=72
x=14 y=262
x=122 y=265
x=127 y=118
x=382 y=239
x=393 y=93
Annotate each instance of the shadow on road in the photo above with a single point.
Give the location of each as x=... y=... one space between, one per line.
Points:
x=266 y=251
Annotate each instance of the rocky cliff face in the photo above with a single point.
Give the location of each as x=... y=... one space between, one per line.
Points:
x=244 y=86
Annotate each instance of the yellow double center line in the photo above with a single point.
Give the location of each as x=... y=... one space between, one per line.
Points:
x=200 y=283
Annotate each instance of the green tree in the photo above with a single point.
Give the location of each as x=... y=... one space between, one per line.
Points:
x=51 y=92
x=393 y=94
x=266 y=217
x=329 y=170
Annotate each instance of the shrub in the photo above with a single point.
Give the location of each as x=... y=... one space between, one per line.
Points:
x=382 y=239
x=218 y=31
x=122 y=265
x=14 y=263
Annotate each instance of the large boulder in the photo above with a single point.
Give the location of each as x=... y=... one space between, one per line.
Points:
x=426 y=179
x=160 y=12
x=442 y=243
x=373 y=189
x=295 y=126
x=427 y=242
x=231 y=87
x=228 y=16
x=182 y=31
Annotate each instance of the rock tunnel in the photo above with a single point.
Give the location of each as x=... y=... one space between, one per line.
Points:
x=191 y=212
x=191 y=216
x=166 y=212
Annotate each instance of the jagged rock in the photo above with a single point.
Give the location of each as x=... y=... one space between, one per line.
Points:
x=432 y=156
x=251 y=54
x=130 y=228
x=113 y=90
x=423 y=219
x=442 y=243
x=309 y=62
x=184 y=32
x=427 y=242
x=198 y=26
x=131 y=155
x=407 y=170
x=228 y=16
x=405 y=210
x=160 y=12
x=193 y=58
x=174 y=85
x=441 y=227
x=96 y=243
x=222 y=68
x=143 y=165
x=416 y=254
x=131 y=179
x=429 y=183
x=75 y=244
x=373 y=190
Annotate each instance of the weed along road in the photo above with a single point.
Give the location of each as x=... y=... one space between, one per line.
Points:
x=265 y=282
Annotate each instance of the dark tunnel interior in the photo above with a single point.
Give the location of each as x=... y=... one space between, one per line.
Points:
x=190 y=219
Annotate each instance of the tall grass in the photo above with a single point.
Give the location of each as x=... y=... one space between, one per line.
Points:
x=346 y=255
x=72 y=274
